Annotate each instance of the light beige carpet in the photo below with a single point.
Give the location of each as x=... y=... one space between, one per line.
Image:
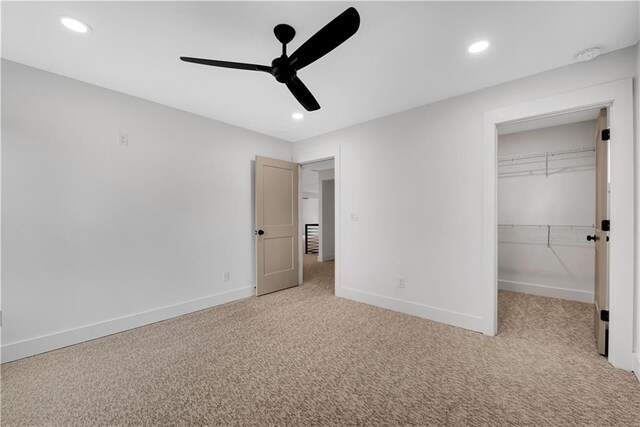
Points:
x=305 y=357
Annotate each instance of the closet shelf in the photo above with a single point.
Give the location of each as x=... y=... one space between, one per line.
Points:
x=545 y=234
x=545 y=158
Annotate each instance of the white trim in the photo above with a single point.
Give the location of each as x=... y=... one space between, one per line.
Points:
x=618 y=95
x=636 y=368
x=546 y=291
x=33 y=346
x=436 y=314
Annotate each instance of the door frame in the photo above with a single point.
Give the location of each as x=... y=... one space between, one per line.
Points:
x=618 y=97
x=335 y=155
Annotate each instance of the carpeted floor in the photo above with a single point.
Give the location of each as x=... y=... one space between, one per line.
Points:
x=305 y=357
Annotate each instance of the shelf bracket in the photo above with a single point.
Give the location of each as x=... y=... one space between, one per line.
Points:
x=546 y=164
x=548 y=236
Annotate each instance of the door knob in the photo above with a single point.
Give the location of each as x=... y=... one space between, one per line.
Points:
x=594 y=238
x=260 y=232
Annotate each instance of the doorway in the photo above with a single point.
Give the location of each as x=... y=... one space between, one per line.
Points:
x=317 y=213
x=618 y=97
x=295 y=224
x=549 y=173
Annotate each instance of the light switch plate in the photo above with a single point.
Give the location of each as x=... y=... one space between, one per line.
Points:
x=123 y=139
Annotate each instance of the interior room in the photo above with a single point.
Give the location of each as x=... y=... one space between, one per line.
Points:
x=320 y=213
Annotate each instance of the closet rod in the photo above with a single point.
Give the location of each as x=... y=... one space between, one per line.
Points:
x=543 y=159
x=546 y=153
x=570 y=226
x=547 y=228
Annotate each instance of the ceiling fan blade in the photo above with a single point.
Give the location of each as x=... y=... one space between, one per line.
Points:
x=227 y=64
x=303 y=95
x=328 y=38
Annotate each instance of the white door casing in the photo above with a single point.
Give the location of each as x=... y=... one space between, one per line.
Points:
x=618 y=96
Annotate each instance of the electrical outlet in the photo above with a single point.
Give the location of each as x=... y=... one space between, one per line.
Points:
x=227 y=276
x=123 y=139
x=401 y=282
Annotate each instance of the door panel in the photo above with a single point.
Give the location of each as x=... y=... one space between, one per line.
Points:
x=601 y=244
x=277 y=254
x=277 y=187
x=276 y=225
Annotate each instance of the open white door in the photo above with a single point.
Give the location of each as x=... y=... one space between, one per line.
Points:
x=601 y=315
x=276 y=225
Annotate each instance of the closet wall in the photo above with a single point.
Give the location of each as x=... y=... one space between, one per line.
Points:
x=546 y=210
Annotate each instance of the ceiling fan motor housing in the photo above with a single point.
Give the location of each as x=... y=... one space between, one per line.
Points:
x=282 y=70
x=280 y=67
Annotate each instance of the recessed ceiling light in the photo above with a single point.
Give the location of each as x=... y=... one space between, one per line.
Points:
x=478 y=47
x=297 y=116
x=74 y=25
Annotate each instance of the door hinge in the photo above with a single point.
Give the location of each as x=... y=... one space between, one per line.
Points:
x=606 y=225
x=606 y=134
x=604 y=315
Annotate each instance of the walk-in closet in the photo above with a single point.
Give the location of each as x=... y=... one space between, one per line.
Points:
x=547 y=226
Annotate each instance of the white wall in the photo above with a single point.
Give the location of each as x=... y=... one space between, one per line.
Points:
x=326 y=250
x=99 y=237
x=527 y=195
x=327 y=215
x=309 y=190
x=310 y=214
x=415 y=178
x=309 y=180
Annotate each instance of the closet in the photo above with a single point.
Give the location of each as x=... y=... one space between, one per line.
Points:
x=546 y=207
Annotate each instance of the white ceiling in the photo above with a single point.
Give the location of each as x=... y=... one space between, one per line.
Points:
x=406 y=54
x=549 y=121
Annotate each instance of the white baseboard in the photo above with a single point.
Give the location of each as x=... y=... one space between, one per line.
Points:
x=546 y=291
x=462 y=320
x=33 y=346
x=636 y=365
x=326 y=258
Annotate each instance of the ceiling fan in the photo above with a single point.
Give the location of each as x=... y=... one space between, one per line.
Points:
x=285 y=68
